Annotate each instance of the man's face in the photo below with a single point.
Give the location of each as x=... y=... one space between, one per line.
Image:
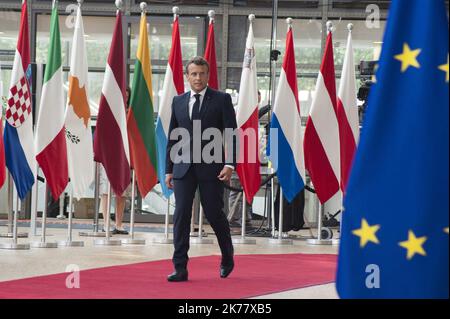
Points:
x=198 y=77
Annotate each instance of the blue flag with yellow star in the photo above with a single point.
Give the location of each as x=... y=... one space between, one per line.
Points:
x=394 y=241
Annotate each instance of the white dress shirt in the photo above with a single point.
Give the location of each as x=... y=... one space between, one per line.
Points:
x=191 y=106
x=192 y=101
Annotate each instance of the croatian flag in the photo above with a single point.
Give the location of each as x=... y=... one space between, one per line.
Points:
x=18 y=135
x=286 y=127
x=322 y=147
x=173 y=86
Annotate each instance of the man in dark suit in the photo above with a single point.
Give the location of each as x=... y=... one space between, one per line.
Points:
x=186 y=169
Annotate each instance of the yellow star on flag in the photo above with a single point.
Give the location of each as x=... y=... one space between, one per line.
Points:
x=408 y=57
x=446 y=230
x=414 y=245
x=444 y=67
x=366 y=233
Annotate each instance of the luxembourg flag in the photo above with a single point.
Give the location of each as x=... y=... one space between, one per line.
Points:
x=321 y=145
x=347 y=112
x=247 y=121
x=51 y=147
x=286 y=127
x=18 y=135
x=173 y=86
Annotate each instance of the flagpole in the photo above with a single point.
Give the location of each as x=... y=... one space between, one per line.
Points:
x=132 y=240
x=9 y=232
x=165 y=239
x=350 y=27
x=280 y=240
x=43 y=243
x=69 y=242
x=34 y=198
x=14 y=245
x=107 y=241
x=272 y=203
x=242 y=240
x=319 y=240
x=95 y=232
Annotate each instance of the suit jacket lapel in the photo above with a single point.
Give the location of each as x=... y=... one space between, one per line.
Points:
x=185 y=104
x=205 y=105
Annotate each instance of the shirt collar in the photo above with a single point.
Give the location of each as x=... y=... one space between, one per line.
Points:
x=202 y=93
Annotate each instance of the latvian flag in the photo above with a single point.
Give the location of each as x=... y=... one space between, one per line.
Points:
x=111 y=146
x=321 y=145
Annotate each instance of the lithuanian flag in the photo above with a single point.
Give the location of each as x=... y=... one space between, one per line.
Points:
x=140 y=121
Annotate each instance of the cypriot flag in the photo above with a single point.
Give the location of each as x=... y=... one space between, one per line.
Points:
x=78 y=116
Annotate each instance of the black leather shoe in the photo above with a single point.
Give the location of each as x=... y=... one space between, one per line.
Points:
x=226 y=270
x=178 y=275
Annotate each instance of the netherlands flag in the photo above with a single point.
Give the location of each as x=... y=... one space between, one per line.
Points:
x=18 y=135
x=173 y=86
x=286 y=127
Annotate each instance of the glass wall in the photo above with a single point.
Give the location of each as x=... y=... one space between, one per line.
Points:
x=9 y=31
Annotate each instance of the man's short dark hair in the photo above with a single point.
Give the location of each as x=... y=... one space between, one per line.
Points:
x=198 y=60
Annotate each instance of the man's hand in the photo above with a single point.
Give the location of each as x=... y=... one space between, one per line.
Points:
x=225 y=174
x=169 y=183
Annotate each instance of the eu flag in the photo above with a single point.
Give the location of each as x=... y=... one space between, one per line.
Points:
x=395 y=223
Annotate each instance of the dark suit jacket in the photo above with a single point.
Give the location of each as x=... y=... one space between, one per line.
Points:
x=216 y=112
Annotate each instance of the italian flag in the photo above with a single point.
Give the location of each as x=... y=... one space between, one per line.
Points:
x=51 y=148
x=140 y=120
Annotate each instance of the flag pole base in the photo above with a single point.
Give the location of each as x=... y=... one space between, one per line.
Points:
x=10 y=235
x=319 y=241
x=244 y=241
x=92 y=234
x=162 y=240
x=129 y=241
x=70 y=243
x=12 y=246
x=107 y=242
x=195 y=234
x=40 y=244
x=282 y=241
x=335 y=241
x=201 y=241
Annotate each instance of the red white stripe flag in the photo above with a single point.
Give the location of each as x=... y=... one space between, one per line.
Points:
x=210 y=53
x=247 y=121
x=111 y=146
x=347 y=111
x=321 y=144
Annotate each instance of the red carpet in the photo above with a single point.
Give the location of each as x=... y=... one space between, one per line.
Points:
x=254 y=275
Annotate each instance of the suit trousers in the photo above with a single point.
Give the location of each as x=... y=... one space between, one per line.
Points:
x=211 y=198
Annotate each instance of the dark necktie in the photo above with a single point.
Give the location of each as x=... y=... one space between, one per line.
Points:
x=196 y=108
